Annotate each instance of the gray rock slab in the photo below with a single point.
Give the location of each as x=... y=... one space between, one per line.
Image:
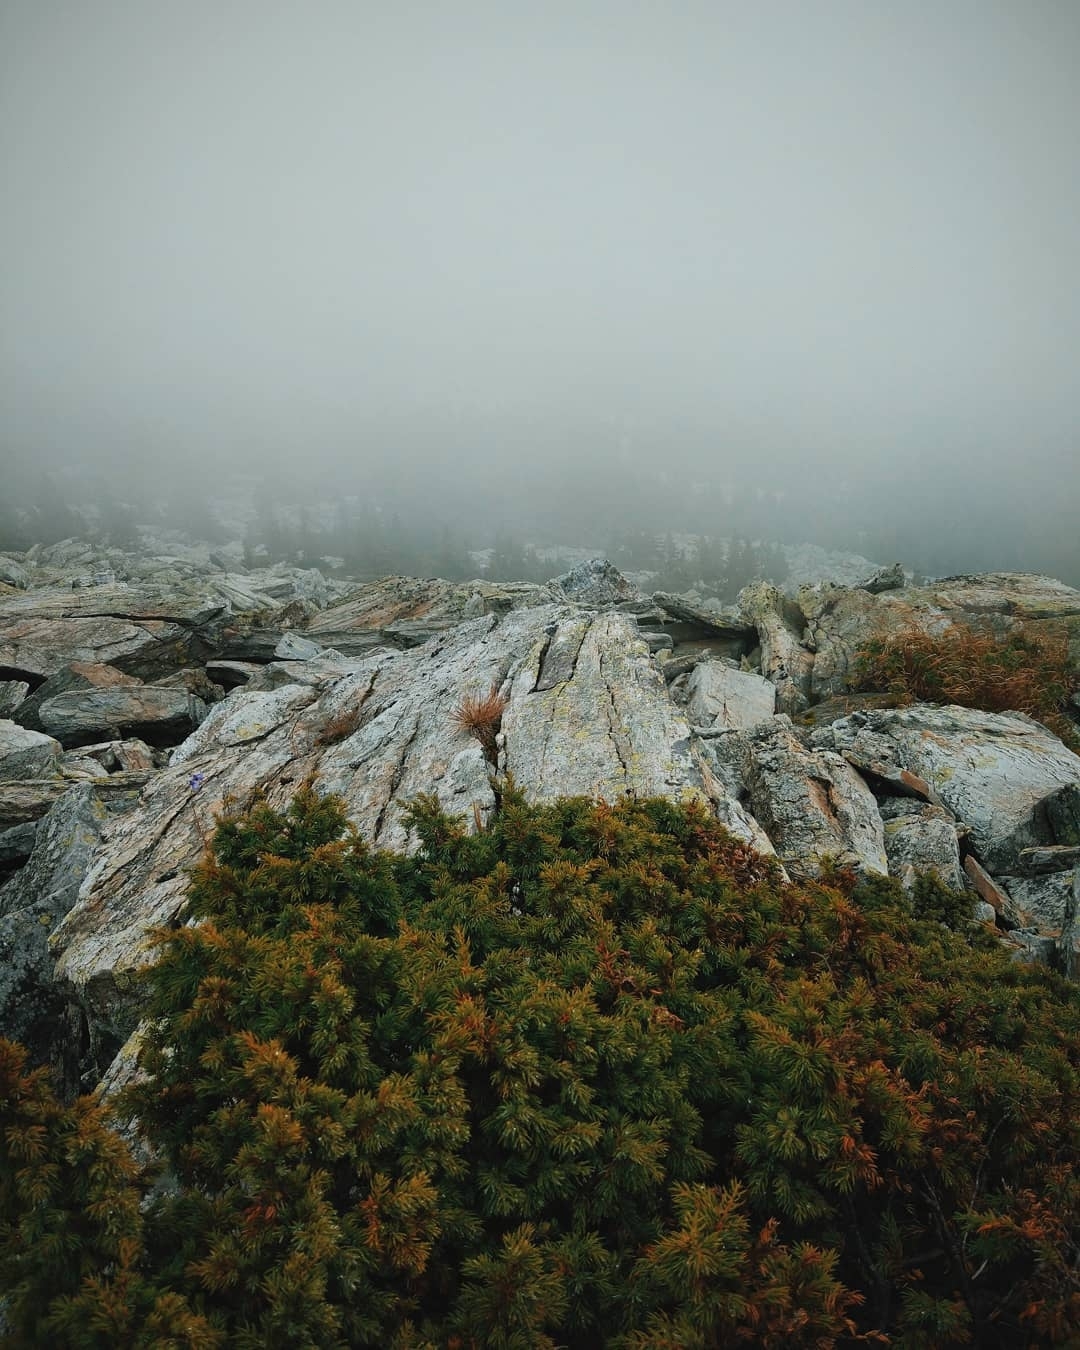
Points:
x=33 y=1008
x=1039 y=902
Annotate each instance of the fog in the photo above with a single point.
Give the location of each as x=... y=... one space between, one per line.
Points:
x=807 y=271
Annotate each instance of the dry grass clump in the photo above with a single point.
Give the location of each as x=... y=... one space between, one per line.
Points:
x=339 y=727
x=480 y=716
x=1015 y=672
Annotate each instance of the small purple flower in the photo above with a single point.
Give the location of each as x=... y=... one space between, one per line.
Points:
x=196 y=781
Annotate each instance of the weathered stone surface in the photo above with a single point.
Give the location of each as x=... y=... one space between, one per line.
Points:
x=1033 y=862
x=1038 y=902
x=294 y=647
x=722 y=623
x=890 y=578
x=406 y=611
x=26 y=799
x=920 y=837
x=784 y=660
x=13 y=573
x=596 y=583
x=719 y=695
x=78 y=767
x=176 y=613
x=17 y=843
x=153 y=713
x=12 y=693
x=994 y=771
x=26 y=754
x=811 y=804
x=230 y=674
x=39 y=646
x=589 y=713
x=32 y=1009
x=76 y=675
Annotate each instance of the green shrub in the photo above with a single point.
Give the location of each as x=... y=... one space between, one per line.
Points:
x=592 y=1076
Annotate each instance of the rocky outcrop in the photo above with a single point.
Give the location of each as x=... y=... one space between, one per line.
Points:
x=1000 y=773
x=602 y=692
x=812 y=805
x=406 y=612
x=840 y=620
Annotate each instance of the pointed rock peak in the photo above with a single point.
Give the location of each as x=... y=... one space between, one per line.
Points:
x=595 y=582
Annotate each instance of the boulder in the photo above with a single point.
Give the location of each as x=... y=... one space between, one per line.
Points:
x=811 y=803
x=27 y=799
x=16 y=844
x=76 y=675
x=1041 y=902
x=1002 y=774
x=720 y=695
x=26 y=754
x=13 y=573
x=920 y=837
x=890 y=578
x=162 y=716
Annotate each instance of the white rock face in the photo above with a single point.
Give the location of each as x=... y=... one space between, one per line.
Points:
x=721 y=696
x=994 y=771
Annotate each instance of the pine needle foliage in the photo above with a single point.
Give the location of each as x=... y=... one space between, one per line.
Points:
x=1014 y=672
x=592 y=1076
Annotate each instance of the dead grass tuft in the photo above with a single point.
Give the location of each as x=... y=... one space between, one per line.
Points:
x=340 y=727
x=480 y=716
x=1017 y=672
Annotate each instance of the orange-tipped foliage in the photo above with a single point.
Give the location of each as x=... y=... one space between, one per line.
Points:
x=1017 y=672
x=480 y=715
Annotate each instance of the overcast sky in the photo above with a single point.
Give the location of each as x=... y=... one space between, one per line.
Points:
x=837 y=238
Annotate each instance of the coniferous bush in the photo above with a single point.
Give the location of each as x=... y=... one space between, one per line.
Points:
x=590 y=1076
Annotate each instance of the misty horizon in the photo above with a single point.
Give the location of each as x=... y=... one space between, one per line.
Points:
x=813 y=272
